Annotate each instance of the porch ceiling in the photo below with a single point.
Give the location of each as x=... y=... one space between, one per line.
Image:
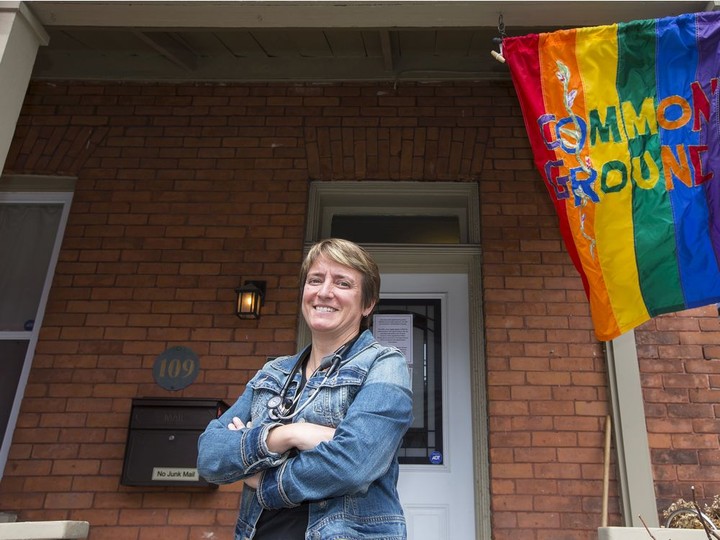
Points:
x=305 y=40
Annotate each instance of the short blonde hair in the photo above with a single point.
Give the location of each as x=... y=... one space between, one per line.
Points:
x=353 y=256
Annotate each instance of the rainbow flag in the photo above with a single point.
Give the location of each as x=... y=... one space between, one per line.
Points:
x=624 y=125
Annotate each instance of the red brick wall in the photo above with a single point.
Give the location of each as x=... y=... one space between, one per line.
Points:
x=185 y=190
x=680 y=365
x=546 y=372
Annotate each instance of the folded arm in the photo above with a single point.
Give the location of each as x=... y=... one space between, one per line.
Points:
x=363 y=446
x=226 y=455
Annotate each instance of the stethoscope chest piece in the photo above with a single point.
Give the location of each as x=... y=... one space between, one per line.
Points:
x=274 y=402
x=279 y=407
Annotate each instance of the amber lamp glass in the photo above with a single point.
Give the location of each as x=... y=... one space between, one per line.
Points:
x=250 y=297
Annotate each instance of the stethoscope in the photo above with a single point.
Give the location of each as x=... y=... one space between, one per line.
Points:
x=279 y=406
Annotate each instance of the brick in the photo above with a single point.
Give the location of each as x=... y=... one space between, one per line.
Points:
x=116 y=533
x=75 y=467
x=182 y=193
x=143 y=517
x=191 y=517
x=47 y=484
x=96 y=518
x=68 y=500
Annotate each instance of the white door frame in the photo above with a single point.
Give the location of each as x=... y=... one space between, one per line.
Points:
x=421 y=198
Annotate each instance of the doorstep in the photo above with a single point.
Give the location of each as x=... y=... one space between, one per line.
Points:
x=44 y=530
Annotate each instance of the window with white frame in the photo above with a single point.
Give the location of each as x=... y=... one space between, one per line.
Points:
x=32 y=224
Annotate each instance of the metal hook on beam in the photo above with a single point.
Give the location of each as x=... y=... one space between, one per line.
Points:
x=498 y=40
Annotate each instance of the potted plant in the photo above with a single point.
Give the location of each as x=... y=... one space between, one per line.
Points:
x=684 y=520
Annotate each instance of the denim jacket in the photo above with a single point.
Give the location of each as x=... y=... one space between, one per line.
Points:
x=350 y=481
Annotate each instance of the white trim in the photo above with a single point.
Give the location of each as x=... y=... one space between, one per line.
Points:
x=20 y=37
x=635 y=476
x=655 y=533
x=40 y=34
x=64 y=198
x=11 y=336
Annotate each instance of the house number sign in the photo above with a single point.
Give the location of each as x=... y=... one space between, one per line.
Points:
x=176 y=368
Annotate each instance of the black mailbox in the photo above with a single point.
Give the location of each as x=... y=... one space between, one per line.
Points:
x=162 y=439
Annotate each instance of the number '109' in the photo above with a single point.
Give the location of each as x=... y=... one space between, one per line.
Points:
x=176 y=368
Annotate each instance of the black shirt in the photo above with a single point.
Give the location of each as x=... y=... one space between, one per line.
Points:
x=285 y=523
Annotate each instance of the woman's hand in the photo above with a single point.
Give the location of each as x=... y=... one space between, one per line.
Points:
x=300 y=435
x=306 y=436
x=237 y=424
x=303 y=436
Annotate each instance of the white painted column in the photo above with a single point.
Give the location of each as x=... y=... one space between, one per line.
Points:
x=20 y=36
x=635 y=475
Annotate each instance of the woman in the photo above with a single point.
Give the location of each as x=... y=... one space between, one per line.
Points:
x=315 y=435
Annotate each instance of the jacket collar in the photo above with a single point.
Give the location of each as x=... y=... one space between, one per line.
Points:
x=286 y=363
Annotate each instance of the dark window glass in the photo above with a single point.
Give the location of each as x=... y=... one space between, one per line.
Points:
x=12 y=357
x=425 y=437
x=27 y=236
x=397 y=229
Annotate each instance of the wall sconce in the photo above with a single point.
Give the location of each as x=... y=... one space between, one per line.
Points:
x=249 y=299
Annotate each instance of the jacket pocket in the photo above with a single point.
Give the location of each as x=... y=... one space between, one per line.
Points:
x=264 y=387
x=336 y=395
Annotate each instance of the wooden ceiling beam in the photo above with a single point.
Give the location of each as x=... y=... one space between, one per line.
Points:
x=387 y=51
x=170 y=47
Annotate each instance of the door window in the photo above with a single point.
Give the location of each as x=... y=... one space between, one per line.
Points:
x=423 y=443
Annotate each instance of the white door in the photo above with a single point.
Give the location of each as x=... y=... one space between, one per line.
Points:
x=436 y=471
